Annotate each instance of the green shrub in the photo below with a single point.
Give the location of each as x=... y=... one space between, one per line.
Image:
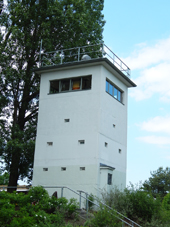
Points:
x=166 y=202
x=36 y=194
x=7 y=212
x=133 y=203
x=104 y=217
x=90 y=203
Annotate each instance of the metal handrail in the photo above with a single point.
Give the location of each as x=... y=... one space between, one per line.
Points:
x=74 y=54
x=112 y=209
x=87 y=199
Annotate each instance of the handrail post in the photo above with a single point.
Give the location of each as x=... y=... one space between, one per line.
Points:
x=80 y=200
x=87 y=205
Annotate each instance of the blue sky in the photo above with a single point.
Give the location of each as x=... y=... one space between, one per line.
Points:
x=139 y=33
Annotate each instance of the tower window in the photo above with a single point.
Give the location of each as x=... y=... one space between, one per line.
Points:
x=120 y=151
x=106 y=144
x=66 y=120
x=109 y=179
x=82 y=168
x=63 y=168
x=70 y=84
x=50 y=143
x=114 y=91
x=45 y=169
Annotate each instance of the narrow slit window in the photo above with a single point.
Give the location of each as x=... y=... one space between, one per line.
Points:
x=67 y=120
x=45 y=169
x=82 y=168
x=106 y=144
x=63 y=168
x=50 y=143
x=120 y=151
x=114 y=125
x=81 y=141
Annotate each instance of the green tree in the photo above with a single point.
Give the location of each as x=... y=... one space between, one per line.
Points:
x=4 y=178
x=60 y=24
x=159 y=182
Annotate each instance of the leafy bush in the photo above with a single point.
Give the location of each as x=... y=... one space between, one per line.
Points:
x=134 y=203
x=34 y=209
x=103 y=217
x=166 y=202
x=90 y=203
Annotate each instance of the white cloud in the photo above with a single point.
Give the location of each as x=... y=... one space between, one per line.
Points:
x=157 y=124
x=145 y=56
x=153 y=63
x=159 y=140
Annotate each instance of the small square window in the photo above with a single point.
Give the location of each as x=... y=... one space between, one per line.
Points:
x=109 y=179
x=106 y=144
x=114 y=125
x=81 y=141
x=45 y=169
x=120 y=151
x=50 y=143
x=66 y=120
x=82 y=168
x=63 y=168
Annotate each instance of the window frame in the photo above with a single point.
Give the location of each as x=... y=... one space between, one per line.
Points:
x=71 y=79
x=115 y=92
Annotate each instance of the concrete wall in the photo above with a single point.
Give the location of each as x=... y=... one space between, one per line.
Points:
x=92 y=114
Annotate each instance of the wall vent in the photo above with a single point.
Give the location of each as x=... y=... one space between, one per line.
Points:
x=81 y=141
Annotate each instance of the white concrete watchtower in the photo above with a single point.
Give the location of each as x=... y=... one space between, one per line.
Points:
x=82 y=121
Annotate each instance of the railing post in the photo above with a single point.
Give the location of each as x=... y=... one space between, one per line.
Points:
x=113 y=58
x=78 y=53
x=61 y=55
x=87 y=205
x=40 y=53
x=80 y=200
x=102 y=49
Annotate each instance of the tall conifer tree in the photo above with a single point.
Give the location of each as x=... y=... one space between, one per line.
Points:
x=24 y=23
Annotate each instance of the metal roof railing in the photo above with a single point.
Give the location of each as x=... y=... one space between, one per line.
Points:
x=77 y=54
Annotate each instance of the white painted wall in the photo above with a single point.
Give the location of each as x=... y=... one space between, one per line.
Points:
x=92 y=114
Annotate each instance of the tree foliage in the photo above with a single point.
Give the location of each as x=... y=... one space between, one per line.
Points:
x=4 y=178
x=60 y=24
x=159 y=182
